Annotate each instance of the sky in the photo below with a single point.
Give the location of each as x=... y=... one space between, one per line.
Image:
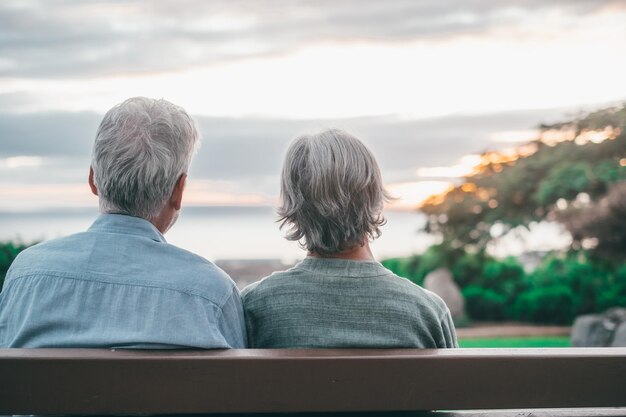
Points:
x=426 y=84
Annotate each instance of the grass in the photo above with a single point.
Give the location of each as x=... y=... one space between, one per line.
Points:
x=515 y=342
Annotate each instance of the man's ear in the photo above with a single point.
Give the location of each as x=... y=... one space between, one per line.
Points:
x=92 y=184
x=176 y=198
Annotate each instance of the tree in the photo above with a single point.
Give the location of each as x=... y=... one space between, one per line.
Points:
x=601 y=226
x=555 y=177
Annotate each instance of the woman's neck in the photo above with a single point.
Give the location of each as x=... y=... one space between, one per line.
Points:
x=358 y=253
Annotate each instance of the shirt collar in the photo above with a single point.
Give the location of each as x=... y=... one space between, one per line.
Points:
x=125 y=224
x=343 y=267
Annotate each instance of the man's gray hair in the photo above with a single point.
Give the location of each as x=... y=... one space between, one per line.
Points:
x=142 y=148
x=332 y=193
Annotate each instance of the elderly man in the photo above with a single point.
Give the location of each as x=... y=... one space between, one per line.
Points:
x=120 y=284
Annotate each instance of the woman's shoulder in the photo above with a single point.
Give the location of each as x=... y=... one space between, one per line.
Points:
x=416 y=292
x=270 y=283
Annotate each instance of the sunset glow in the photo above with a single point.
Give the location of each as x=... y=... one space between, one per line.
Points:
x=411 y=195
x=428 y=86
x=465 y=166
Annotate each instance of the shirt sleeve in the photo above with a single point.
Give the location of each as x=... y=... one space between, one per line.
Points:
x=449 y=332
x=250 y=328
x=232 y=324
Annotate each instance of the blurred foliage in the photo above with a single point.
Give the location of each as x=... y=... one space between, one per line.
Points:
x=601 y=225
x=484 y=304
x=574 y=173
x=8 y=252
x=553 y=304
x=556 y=177
x=562 y=287
x=614 y=294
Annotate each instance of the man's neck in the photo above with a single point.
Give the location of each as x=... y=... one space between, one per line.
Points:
x=358 y=253
x=164 y=220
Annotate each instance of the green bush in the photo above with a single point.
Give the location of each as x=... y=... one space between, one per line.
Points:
x=468 y=269
x=585 y=278
x=8 y=252
x=554 y=305
x=484 y=304
x=561 y=287
x=611 y=297
x=506 y=277
x=614 y=294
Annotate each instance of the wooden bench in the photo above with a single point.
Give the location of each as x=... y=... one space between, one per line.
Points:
x=100 y=381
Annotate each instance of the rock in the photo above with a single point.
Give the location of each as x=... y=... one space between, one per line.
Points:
x=441 y=283
x=616 y=314
x=599 y=330
x=589 y=331
x=619 y=337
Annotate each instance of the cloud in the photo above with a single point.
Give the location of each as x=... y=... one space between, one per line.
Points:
x=47 y=134
x=22 y=161
x=75 y=38
x=248 y=152
x=17 y=198
x=44 y=157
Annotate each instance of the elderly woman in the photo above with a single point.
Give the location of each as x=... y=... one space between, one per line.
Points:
x=339 y=296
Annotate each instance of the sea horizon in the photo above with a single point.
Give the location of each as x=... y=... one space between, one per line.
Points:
x=218 y=232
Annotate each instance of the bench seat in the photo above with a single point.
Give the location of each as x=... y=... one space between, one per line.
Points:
x=105 y=382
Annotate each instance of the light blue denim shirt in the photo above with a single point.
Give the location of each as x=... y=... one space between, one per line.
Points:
x=119 y=284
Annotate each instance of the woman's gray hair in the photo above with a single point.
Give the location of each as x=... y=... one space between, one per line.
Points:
x=142 y=148
x=332 y=192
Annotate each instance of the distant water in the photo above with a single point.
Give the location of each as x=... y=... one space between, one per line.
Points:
x=219 y=232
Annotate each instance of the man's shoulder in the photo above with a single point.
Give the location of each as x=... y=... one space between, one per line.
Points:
x=84 y=256
x=199 y=267
x=43 y=252
x=169 y=266
x=54 y=243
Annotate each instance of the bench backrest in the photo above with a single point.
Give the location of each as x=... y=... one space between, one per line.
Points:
x=66 y=381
